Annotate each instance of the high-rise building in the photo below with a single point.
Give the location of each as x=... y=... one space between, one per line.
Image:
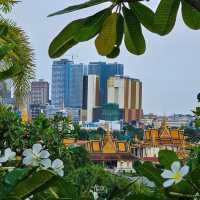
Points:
x=67 y=83
x=91 y=98
x=105 y=71
x=60 y=82
x=76 y=73
x=127 y=93
x=40 y=92
x=39 y=97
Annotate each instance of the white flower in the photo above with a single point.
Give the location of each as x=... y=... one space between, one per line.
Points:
x=37 y=156
x=9 y=155
x=175 y=175
x=57 y=166
x=95 y=194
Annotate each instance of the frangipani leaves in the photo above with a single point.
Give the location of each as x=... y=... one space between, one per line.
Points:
x=79 y=6
x=165 y=16
x=122 y=17
x=65 y=39
x=191 y=16
x=134 y=39
x=92 y=26
x=105 y=42
x=144 y=14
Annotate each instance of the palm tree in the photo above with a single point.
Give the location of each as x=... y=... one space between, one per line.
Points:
x=16 y=56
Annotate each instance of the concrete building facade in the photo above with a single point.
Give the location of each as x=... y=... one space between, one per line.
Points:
x=127 y=93
x=91 y=98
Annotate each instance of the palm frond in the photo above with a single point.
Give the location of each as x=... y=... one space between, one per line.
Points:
x=6 y=5
x=18 y=64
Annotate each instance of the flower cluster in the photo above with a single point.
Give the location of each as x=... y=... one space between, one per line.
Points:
x=175 y=175
x=37 y=156
x=8 y=155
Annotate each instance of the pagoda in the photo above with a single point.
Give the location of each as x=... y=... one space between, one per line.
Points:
x=155 y=140
x=111 y=153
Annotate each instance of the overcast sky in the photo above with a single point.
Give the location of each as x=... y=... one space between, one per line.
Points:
x=169 y=70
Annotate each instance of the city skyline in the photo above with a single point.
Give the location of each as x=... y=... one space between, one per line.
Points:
x=166 y=81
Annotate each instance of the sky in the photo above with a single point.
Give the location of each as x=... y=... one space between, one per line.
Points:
x=169 y=70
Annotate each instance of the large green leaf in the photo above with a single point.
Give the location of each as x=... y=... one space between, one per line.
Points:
x=32 y=184
x=120 y=32
x=167 y=157
x=79 y=6
x=191 y=16
x=65 y=39
x=149 y=171
x=106 y=40
x=15 y=176
x=11 y=179
x=92 y=26
x=134 y=39
x=165 y=16
x=114 y=53
x=144 y=14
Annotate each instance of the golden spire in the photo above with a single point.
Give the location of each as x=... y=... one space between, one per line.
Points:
x=164 y=123
x=109 y=144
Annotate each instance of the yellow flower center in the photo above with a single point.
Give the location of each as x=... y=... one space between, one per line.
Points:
x=177 y=176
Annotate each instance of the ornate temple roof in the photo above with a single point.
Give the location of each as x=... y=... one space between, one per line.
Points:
x=107 y=149
x=164 y=136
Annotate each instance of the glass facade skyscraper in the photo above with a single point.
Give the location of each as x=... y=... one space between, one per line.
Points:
x=60 y=82
x=105 y=71
x=67 y=83
x=77 y=71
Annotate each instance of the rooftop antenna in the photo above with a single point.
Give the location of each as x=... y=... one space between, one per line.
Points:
x=73 y=56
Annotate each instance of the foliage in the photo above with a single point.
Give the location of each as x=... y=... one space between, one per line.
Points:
x=27 y=175
x=122 y=19
x=6 y=5
x=16 y=56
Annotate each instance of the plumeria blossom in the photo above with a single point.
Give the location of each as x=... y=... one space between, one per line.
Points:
x=95 y=194
x=37 y=156
x=9 y=155
x=175 y=175
x=57 y=166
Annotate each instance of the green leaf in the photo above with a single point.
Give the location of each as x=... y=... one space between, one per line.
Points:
x=120 y=30
x=79 y=6
x=134 y=39
x=167 y=157
x=149 y=171
x=32 y=184
x=65 y=39
x=144 y=14
x=92 y=26
x=120 y=33
x=195 y=177
x=191 y=16
x=13 y=177
x=106 y=40
x=165 y=16
x=114 y=53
